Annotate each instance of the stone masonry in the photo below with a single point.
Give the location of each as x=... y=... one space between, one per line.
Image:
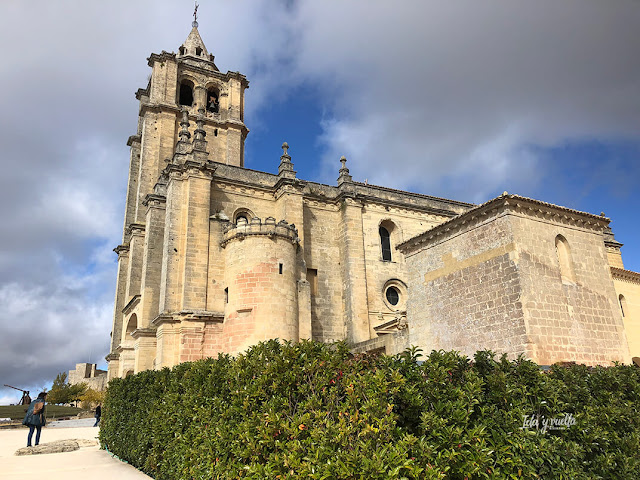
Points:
x=496 y=276
x=216 y=257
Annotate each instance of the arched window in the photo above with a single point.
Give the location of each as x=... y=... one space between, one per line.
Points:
x=623 y=305
x=132 y=324
x=564 y=259
x=186 y=93
x=385 y=243
x=242 y=215
x=181 y=50
x=198 y=51
x=213 y=102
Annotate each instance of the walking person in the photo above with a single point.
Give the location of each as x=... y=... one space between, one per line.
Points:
x=98 y=413
x=35 y=418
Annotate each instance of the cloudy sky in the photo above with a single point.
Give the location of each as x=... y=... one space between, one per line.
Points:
x=460 y=99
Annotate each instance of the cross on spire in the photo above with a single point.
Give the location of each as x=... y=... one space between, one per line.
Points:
x=195 y=15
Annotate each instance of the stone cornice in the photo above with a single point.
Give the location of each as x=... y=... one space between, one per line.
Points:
x=161 y=57
x=256 y=227
x=122 y=348
x=327 y=194
x=224 y=77
x=131 y=304
x=189 y=167
x=625 y=275
x=164 y=318
x=189 y=315
x=510 y=203
x=133 y=139
x=362 y=187
x=154 y=200
x=112 y=356
x=288 y=185
x=135 y=229
x=143 y=332
x=122 y=250
x=143 y=92
x=201 y=315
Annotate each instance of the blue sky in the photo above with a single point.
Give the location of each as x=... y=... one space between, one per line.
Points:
x=588 y=174
x=454 y=99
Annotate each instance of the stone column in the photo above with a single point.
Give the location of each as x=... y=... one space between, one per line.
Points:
x=152 y=260
x=197 y=197
x=136 y=257
x=121 y=294
x=353 y=271
x=170 y=287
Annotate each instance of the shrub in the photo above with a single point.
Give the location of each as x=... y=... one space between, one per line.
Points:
x=310 y=410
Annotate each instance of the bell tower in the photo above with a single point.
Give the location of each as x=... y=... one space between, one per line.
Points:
x=186 y=97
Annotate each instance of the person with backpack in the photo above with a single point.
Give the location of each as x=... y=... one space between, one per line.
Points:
x=35 y=417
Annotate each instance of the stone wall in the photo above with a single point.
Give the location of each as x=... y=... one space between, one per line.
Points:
x=627 y=285
x=492 y=279
x=88 y=373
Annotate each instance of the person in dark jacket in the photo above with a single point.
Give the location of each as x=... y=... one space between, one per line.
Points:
x=35 y=417
x=98 y=413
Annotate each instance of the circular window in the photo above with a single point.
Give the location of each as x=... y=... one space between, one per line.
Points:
x=393 y=295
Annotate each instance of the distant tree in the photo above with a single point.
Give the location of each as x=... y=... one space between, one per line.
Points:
x=62 y=392
x=59 y=392
x=91 y=398
x=76 y=391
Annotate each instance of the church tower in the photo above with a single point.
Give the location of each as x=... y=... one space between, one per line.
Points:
x=187 y=97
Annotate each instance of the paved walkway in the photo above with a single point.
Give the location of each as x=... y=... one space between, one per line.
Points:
x=86 y=463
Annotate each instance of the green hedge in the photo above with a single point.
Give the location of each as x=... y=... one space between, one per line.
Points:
x=313 y=411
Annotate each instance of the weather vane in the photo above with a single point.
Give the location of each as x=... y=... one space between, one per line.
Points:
x=195 y=15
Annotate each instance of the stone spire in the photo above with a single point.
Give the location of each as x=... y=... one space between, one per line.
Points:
x=344 y=176
x=286 y=166
x=193 y=45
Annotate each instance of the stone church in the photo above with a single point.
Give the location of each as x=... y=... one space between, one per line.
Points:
x=216 y=257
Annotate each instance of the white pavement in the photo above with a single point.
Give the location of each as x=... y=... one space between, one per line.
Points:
x=86 y=463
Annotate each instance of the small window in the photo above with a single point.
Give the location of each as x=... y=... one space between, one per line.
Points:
x=623 y=305
x=385 y=243
x=198 y=51
x=181 y=50
x=242 y=215
x=280 y=269
x=215 y=132
x=393 y=296
x=213 y=102
x=186 y=93
x=564 y=259
x=312 y=278
x=226 y=295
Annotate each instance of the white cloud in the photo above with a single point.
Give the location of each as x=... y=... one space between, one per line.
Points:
x=443 y=97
